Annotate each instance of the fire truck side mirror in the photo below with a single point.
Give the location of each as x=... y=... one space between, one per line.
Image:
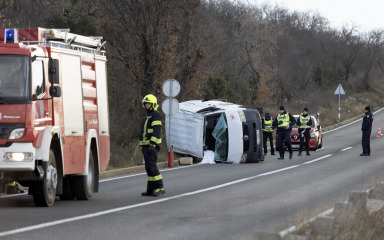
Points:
x=55 y=91
x=54 y=71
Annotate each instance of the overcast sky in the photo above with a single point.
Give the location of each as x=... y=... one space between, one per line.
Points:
x=367 y=14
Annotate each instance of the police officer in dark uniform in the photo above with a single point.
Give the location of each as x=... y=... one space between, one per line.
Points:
x=366 y=128
x=267 y=128
x=284 y=122
x=304 y=124
x=150 y=140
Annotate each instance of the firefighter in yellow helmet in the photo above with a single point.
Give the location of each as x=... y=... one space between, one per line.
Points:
x=150 y=140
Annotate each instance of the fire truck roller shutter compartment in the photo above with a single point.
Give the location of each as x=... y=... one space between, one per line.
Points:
x=72 y=95
x=103 y=113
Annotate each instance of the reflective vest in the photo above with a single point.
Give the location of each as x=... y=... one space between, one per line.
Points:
x=284 y=118
x=304 y=120
x=268 y=124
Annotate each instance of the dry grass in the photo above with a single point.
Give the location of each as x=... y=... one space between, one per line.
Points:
x=370 y=228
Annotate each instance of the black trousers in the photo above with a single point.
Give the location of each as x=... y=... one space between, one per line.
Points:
x=267 y=135
x=286 y=136
x=307 y=137
x=155 y=180
x=366 y=142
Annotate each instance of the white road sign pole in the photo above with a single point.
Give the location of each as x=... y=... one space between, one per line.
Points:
x=170 y=114
x=170 y=106
x=339 y=90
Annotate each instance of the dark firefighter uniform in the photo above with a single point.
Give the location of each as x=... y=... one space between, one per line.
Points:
x=284 y=122
x=267 y=133
x=150 y=140
x=366 y=128
x=304 y=124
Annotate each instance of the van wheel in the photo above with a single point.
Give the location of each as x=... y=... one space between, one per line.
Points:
x=44 y=192
x=83 y=186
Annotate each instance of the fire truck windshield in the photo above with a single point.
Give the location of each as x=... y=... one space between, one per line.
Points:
x=14 y=75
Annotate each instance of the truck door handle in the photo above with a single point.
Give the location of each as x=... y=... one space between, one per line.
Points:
x=74 y=131
x=103 y=131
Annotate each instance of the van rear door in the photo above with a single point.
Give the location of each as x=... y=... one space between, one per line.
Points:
x=235 y=136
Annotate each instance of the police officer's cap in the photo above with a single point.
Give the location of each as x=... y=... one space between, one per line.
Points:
x=305 y=110
x=281 y=108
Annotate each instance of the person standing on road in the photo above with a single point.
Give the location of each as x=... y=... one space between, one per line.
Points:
x=150 y=140
x=284 y=122
x=366 y=128
x=267 y=133
x=304 y=124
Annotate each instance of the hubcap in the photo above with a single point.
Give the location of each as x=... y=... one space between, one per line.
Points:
x=51 y=178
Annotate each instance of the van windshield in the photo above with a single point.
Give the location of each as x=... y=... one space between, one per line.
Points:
x=14 y=75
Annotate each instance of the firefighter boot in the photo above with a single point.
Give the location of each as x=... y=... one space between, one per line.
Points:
x=149 y=191
x=158 y=192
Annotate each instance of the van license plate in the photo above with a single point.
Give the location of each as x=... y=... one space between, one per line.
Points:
x=295 y=145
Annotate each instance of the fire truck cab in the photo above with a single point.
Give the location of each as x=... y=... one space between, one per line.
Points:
x=54 y=125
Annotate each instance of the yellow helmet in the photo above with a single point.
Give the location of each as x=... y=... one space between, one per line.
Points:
x=150 y=99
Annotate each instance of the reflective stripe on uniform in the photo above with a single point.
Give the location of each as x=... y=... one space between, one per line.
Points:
x=156 y=140
x=155 y=178
x=145 y=131
x=154 y=123
x=144 y=142
x=150 y=130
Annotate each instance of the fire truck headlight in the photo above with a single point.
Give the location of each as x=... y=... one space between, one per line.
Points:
x=17 y=133
x=18 y=156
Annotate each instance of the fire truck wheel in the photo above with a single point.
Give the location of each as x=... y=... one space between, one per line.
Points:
x=67 y=189
x=83 y=186
x=44 y=192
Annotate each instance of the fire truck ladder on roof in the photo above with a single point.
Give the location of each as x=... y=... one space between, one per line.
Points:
x=63 y=35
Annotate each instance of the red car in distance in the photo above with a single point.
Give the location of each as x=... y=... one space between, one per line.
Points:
x=316 y=140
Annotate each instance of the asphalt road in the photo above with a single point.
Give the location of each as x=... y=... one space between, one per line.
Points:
x=220 y=201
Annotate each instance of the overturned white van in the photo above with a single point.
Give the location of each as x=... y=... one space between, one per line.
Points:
x=233 y=132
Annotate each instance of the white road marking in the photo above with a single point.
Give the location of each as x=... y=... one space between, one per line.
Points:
x=13 y=195
x=294 y=228
x=92 y=215
x=144 y=173
x=345 y=149
x=317 y=159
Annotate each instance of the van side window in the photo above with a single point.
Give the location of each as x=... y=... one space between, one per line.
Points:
x=38 y=87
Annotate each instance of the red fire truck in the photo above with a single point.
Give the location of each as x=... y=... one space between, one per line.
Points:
x=54 y=125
